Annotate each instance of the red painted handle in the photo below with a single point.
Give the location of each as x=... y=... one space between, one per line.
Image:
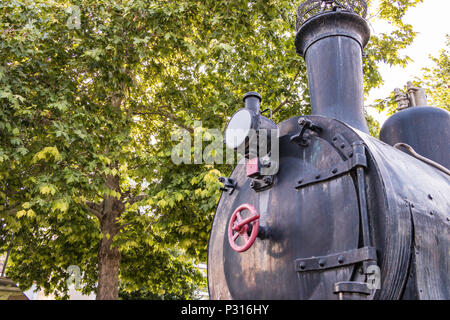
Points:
x=238 y=228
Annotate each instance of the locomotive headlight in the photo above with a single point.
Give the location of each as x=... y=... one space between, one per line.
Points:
x=248 y=131
x=240 y=128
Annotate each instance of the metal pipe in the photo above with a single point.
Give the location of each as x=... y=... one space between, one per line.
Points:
x=252 y=101
x=421 y=158
x=363 y=207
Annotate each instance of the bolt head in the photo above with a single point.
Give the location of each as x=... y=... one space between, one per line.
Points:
x=322 y=263
x=267 y=180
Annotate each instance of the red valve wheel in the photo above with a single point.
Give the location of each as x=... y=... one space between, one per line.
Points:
x=239 y=227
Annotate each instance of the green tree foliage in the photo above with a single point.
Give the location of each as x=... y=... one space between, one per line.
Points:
x=436 y=80
x=385 y=47
x=88 y=107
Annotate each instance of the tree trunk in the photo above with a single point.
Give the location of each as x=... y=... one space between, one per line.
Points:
x=108 y=255
x=108 y=272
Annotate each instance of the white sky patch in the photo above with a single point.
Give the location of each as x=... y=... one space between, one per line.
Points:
x=431 y=22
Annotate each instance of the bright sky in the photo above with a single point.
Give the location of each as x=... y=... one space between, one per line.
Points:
x=431 y=21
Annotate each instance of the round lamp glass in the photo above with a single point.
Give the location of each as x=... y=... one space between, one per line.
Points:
x=238 y=129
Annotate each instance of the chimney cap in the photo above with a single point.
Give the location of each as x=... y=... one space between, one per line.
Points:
x=310 y=8
x=252 y=94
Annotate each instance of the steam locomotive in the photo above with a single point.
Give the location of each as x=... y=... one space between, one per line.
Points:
x=344 y=216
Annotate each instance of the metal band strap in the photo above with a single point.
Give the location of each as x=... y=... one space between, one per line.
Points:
x=358 y=159
x=336 y=260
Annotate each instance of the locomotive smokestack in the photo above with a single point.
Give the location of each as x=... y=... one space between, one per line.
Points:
x=252 y=101
x=330 y=37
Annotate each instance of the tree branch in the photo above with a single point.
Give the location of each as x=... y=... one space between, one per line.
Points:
x=285 y=102
x=95 y=209
x=167 y=115
x=137 y=199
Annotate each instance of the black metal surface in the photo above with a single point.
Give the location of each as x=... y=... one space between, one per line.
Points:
x=331 y=44
x=431 y=253
x=426 y=129
x=356 y=158
x=324 y=218
x=300 y=226
x=401 y=174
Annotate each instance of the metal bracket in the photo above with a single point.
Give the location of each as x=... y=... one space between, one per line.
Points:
x=336 y=260
x=351 y=290
x=305 y=124
x=260 y=182
x=357 y=158
x=228 y=184
x=266 y=182
x=341 y=144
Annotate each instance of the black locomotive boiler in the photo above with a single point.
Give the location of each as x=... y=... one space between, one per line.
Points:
x=345 y=215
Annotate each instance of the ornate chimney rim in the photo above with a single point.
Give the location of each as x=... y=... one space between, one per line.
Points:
x=330 y=24
x=311 y=8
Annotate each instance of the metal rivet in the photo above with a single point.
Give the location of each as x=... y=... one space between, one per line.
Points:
x=321 y=263
x=300 y=180
x=350 y=154
x=431 y=212
x=341 y=259
x=318 y=176
x=302 y=265
x=335 y=170
x=342 y=146
x=430 y=197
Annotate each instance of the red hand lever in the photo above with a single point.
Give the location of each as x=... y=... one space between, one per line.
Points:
x=240 y=227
